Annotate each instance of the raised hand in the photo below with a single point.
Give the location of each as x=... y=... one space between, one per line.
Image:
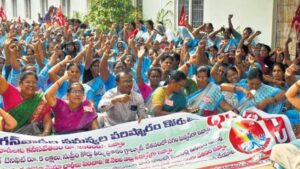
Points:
x=222 y=29
x=141 y=52
x=257 y=33
x=67 y=59
x=224 y=42
x=66 y=75
x=238 y=52
x=279 y=50
x=13 y=48
x=202 y=43
x=193 y=60
x=251 y=59
x=107 y=48
x=131 y=41
x=220 y=58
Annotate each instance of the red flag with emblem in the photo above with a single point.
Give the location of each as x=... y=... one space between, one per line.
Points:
x=60 y=17
x=181 y=21
x=2 y=14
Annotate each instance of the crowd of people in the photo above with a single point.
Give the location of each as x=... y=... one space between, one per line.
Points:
x=72 y=78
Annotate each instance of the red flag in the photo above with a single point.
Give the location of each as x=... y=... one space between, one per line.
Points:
x=19 y=20
x=2 y=14
x=181 y=21
x=60 y=17
x=296 y=21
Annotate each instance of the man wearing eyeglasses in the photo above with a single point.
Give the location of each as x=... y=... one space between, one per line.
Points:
x=121 y=104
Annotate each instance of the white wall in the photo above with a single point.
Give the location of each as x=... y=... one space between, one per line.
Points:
x=79 y=6
x=258 y=14
x=8 y=9
x=151 y=8
x=55 y=3
x=35 y=9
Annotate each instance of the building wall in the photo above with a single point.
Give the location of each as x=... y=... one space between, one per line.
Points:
x=285 y=13
x=80 y=6
x=257 y=14
x=54 y=3
x=76 y=5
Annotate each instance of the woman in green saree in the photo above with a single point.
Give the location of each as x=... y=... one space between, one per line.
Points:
x=26 y=105
x=169 y=98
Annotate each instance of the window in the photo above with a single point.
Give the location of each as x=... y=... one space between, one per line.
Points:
x=197 y=13
x=14 y=10
x=28 y=8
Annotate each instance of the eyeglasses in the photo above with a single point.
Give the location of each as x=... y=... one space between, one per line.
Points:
x=77 y=92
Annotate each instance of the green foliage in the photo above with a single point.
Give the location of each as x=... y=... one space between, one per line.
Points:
x=164 y=14
x=77 y=15
x=103 y=13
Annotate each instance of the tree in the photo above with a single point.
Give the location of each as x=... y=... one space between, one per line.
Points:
x=105 y=12
x=163 y=15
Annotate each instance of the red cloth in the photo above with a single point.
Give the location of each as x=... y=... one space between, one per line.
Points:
x=11 y=97
x=2 y=14
x=60 y=17
x=131 y=33
x=19 y=20
x=296 y=21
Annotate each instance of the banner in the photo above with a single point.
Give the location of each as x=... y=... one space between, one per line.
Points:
x=179 y=140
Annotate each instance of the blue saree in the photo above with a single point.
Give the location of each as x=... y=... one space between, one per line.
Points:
x=263 y=92
x=206 y=99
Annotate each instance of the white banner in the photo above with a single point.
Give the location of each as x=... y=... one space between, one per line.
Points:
x=176 y=141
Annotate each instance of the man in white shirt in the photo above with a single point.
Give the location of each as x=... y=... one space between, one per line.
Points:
x=121 y=104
